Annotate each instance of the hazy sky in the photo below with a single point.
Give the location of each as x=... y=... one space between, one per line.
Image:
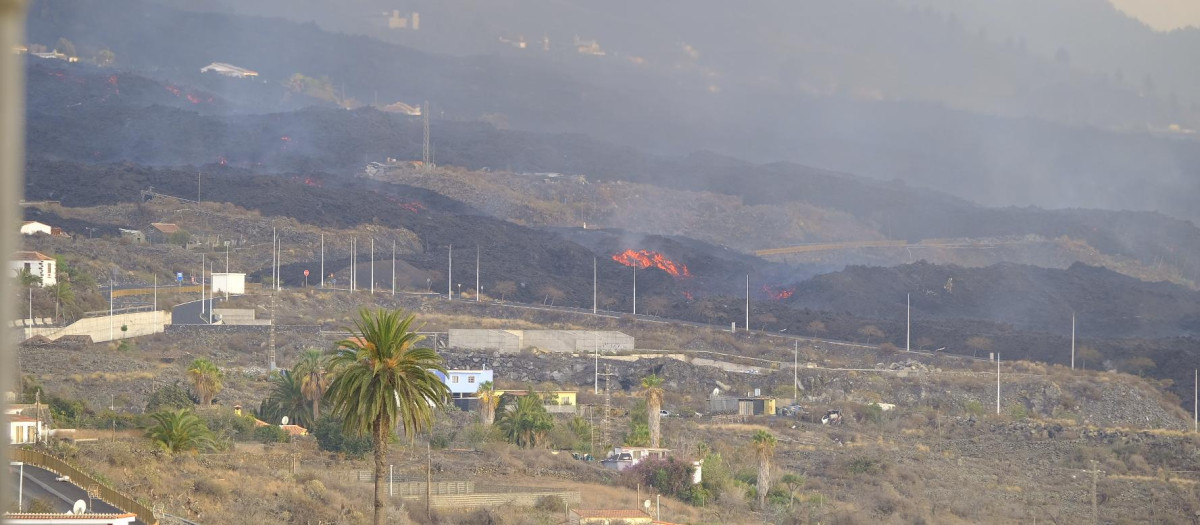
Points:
x=1163 y=14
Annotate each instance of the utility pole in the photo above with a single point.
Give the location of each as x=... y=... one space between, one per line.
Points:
x=110 y=305
x=274 y=278
x=1196 y=401
x=997 y=383
x=593 y=286
x=197 y=187
x=372 y=266
x=450 y=259
x=353 y=263
x=426 y=150
x=596 y=354
x=227 y=259
x=201 y=285
x=271 y=337
x=322 y=260
x=908 y=324
x=279 y=265
x=796 y=372
x=477 y=273
x=747 y=302
x=429 y=478
x=635 y=290
x=156 y=292
x=1072 y=340
x=393 y=267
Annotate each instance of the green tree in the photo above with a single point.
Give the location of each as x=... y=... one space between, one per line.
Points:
x=64 y=296
x=286 y=399
x=638 y=436
x=505 y=288
x=816 y=327
x=168 y=397
x=328 y=431
x=870 y=331
x=180 y=237
x=979 y=344
x=27 y=279
x=488 y=400
x=526 y=422
x=794 y=482
x=179 y=431
x=205 y=378
x=1086 y=354
x=764 y=450
x=381 y=378
x=65 y=47
x=312 y=374
x=105 y=57
x=653 y=392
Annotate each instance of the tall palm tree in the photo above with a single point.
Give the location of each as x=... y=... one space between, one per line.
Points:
x=488 y=401
x=312 y=374
x=206 y=379
x=381 y=378
x=179 y=431
x=286 y=399
x=653 y=392
x=764 y=448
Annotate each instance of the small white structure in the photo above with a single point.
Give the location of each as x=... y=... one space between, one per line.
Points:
x=38 y=264
x=23 y=429
x=228 y=70
x=34 y=228
x=233 y=283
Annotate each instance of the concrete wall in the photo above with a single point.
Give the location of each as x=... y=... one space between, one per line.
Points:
x=98 y=328
x=563 y=341
x=495 y=340
x=239 y=317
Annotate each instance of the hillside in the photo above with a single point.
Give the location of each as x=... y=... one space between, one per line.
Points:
x=1009 y=160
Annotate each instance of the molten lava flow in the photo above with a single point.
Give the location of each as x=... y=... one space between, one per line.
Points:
x=778 y=295
x=687 y=295
x=222 y=161
x=647 y=258
x=285 y=138
x=174 y=90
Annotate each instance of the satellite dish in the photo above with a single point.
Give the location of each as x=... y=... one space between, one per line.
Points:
x=646 y=504
x=80 y=507
x=284 y=421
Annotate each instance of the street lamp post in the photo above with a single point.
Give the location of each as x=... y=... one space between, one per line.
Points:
x=20 y=485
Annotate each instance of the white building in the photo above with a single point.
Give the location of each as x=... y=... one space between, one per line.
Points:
x=23 y=429
x=34 y=228
x=228 y=70
x=234 y=283
x=38 y=264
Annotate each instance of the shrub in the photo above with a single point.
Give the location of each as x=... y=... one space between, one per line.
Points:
x=862 y=465
x=973 y=407
x=669 y=476
x=168 y=397
x=210 y=487
x=328 y=432
x=271 y=434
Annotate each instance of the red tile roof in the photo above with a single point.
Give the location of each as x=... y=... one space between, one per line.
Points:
x=31 y=256
x=165 y=227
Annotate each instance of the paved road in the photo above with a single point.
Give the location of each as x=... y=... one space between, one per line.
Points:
x=40 y=484
x=187 y=313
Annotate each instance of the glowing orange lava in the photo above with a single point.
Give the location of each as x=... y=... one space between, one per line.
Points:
x=647 y=259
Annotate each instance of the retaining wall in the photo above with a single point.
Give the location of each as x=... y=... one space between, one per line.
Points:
x=108 y=328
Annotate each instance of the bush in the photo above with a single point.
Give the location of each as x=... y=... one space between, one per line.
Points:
x=271 y=434
x=328 y=432
x=167 y=398
x=973 y=407
x=669 y=476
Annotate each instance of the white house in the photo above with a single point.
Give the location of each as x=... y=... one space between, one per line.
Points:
x=34 y=227
x=23 y=429
x=38 y=264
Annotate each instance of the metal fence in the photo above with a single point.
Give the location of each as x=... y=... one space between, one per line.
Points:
x=87 y=482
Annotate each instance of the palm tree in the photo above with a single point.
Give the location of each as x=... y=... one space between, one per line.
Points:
x=764 y=448
x=206 y=379
x=653 y=392
x=488 y=401
x=527 y=423
x=286 y=399
x=179 y=431
x=311 y=373
x=381 y=378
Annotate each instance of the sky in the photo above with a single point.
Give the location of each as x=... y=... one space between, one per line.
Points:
x=1163 y=15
